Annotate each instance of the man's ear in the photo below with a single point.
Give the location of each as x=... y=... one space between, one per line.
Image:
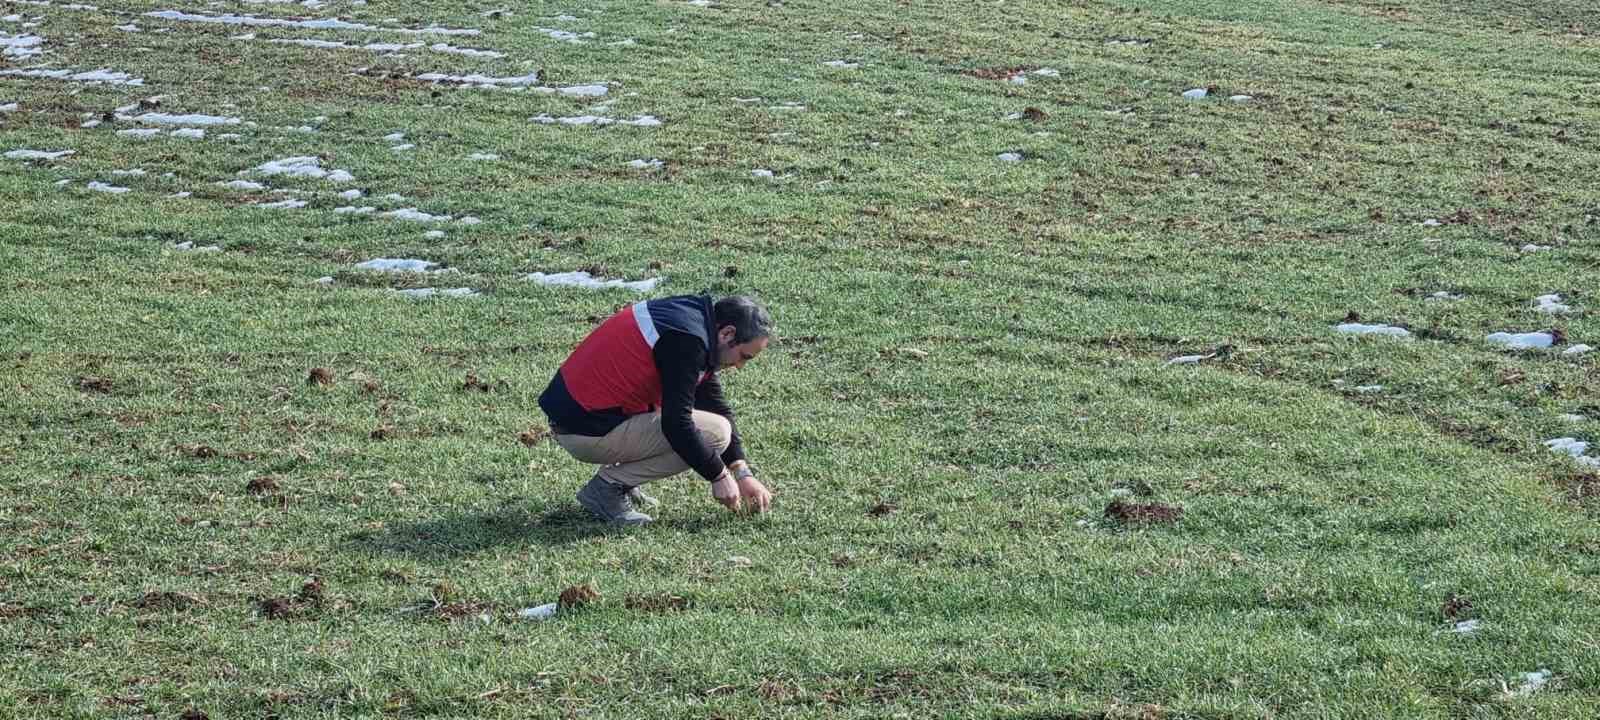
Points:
x=725 y=334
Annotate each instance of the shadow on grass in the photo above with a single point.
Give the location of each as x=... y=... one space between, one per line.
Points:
x=462 y=534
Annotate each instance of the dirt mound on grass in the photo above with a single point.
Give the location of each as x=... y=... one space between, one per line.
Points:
x=1143 y=513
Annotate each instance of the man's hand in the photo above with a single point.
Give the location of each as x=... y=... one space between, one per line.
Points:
x=726 y=491
x=759 y=496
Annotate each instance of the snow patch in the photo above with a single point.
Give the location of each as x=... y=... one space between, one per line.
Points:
x=166 y=119
x=305 y=166
x=98 y=186
x=1522 y=341
x=1196 y=94
x=38 y=154
x=1551 y=304
x=585 y=280
x=431 y=292
x=1360 y=329
x=640 y=121
x=397 y=265
x=414 y=215
x=109 y=77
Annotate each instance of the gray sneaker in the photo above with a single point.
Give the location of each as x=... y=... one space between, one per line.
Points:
x=640 y=499
x=609 y=502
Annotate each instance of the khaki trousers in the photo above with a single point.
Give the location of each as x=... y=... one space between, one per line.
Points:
x=636 y=452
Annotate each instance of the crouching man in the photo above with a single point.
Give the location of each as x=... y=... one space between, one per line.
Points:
x=640 y=398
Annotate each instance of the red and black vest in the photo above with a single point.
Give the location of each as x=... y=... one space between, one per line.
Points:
x=612 y=375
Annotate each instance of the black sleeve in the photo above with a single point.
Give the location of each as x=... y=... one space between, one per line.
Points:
x=708 y=397
x=679 y=358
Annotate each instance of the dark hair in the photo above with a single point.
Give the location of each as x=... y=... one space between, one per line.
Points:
x=749 y=319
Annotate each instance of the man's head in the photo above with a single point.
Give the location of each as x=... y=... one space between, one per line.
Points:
x=743 y=328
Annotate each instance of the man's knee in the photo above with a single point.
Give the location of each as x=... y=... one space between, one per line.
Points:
x=716 y=429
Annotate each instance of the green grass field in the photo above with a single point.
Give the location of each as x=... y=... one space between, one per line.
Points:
x=971 y=361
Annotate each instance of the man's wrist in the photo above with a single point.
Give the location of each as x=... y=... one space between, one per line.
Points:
x=741 y=470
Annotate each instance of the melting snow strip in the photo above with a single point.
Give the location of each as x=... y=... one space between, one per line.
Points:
x=1360 y=329
x=640 y=121
x=565 y=36
x=38 y=154
x=20 y=46
x=585 y=280
x=481 y=80
x=303 y=167
x=431 y=292
x=1522 y=341
x=1573 y=447
x=397 y=265
x=1551 y=304
x=415 y=215
x=323 y=24
x=106 y=188
x=381 y=47
x=91 y=76
x=168 y=119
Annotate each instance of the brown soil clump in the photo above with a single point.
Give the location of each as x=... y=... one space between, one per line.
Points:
x=312 y=592
x=383 y=432
x=263 y=485
x=94 y=384
x=532 y=436
x=319 y=376
x=661 y=602
x=1033 y=114
x=577 y=596
x=1455 y=606
x=192 y=714
x=1153 y=513
x=730 y=271
x=203 y=452
x=883 y=508
x=276 y=608
x=473 y=383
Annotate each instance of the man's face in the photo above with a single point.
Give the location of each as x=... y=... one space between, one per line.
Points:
x=734 y=356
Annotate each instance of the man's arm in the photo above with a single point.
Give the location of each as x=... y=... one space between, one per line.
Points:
x=680 y=358
x=708 y=397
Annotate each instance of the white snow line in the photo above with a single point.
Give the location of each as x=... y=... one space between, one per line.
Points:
x=150 y=118
x=1360 y=329
x=108 y=77
x=397 y=265
x=414 y=215
x=640 y=121
x=304 y=166
x=1522 y=341
x=585 y=280
x=38 y=154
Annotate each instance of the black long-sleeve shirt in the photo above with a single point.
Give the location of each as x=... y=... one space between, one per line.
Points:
x=680 y=358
